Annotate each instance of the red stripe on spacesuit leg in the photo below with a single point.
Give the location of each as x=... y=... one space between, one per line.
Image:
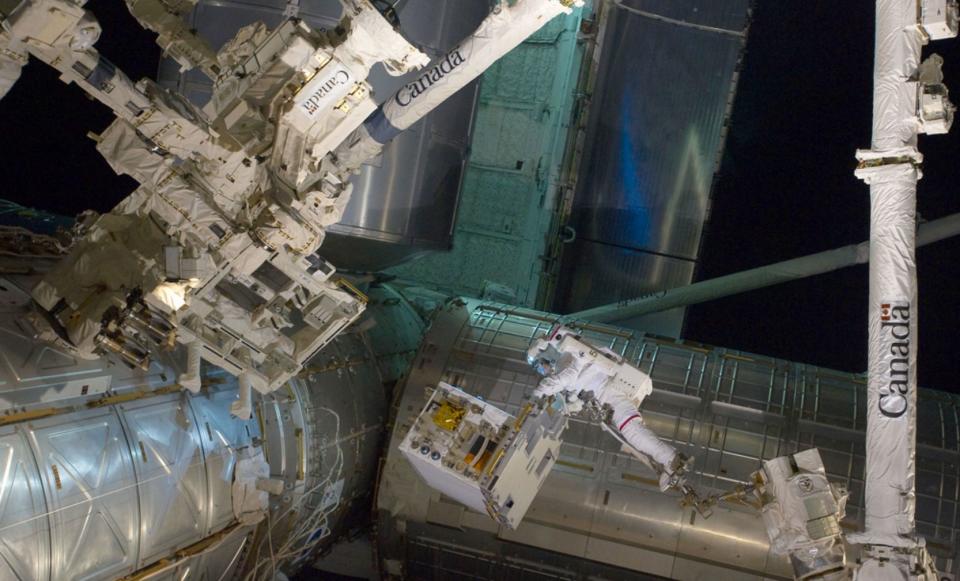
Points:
x=627 y=421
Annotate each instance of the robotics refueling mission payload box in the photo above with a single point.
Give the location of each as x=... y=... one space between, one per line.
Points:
x=484 y=457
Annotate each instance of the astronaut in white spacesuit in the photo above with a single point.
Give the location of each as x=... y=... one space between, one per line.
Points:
x=581 y=373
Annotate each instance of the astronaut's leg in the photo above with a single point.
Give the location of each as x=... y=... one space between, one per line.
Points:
x=628 y=421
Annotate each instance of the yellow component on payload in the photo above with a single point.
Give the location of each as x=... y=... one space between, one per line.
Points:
x=448 y=416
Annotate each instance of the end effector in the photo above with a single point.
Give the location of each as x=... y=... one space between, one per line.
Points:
x=802 y=511
x=44 y=24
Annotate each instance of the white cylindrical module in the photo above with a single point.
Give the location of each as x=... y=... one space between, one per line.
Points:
x=129 y=482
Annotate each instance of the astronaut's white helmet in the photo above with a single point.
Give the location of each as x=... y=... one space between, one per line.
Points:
x=544 y=352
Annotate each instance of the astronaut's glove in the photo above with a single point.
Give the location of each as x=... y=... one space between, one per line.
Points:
x=675 y=475
x=573 y=402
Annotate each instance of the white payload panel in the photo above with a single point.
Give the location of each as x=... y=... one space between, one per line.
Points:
x=481 y=456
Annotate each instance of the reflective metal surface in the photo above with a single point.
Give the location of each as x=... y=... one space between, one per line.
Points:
x=219 y=433
x=100 y=477
x=322 y=438
x=24 y=536
x=107 y=472
x=101 y=493
x=91 y=493
x=405 y=202
x=220 y=561
x=170 y=472
x=34 y=373
x=397 y=331
x=344 y=405
x=657 y=123
x=728 y=409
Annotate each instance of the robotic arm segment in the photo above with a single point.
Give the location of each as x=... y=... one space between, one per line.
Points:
x=508 y=25
x=330 y=97
x=13 y=57
x=802 y=511
x=179 y=253
x=373 y=39
x=62 y=34
x=177 y=41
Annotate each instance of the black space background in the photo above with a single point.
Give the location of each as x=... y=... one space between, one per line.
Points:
x=786 y=186
x=45 y=157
